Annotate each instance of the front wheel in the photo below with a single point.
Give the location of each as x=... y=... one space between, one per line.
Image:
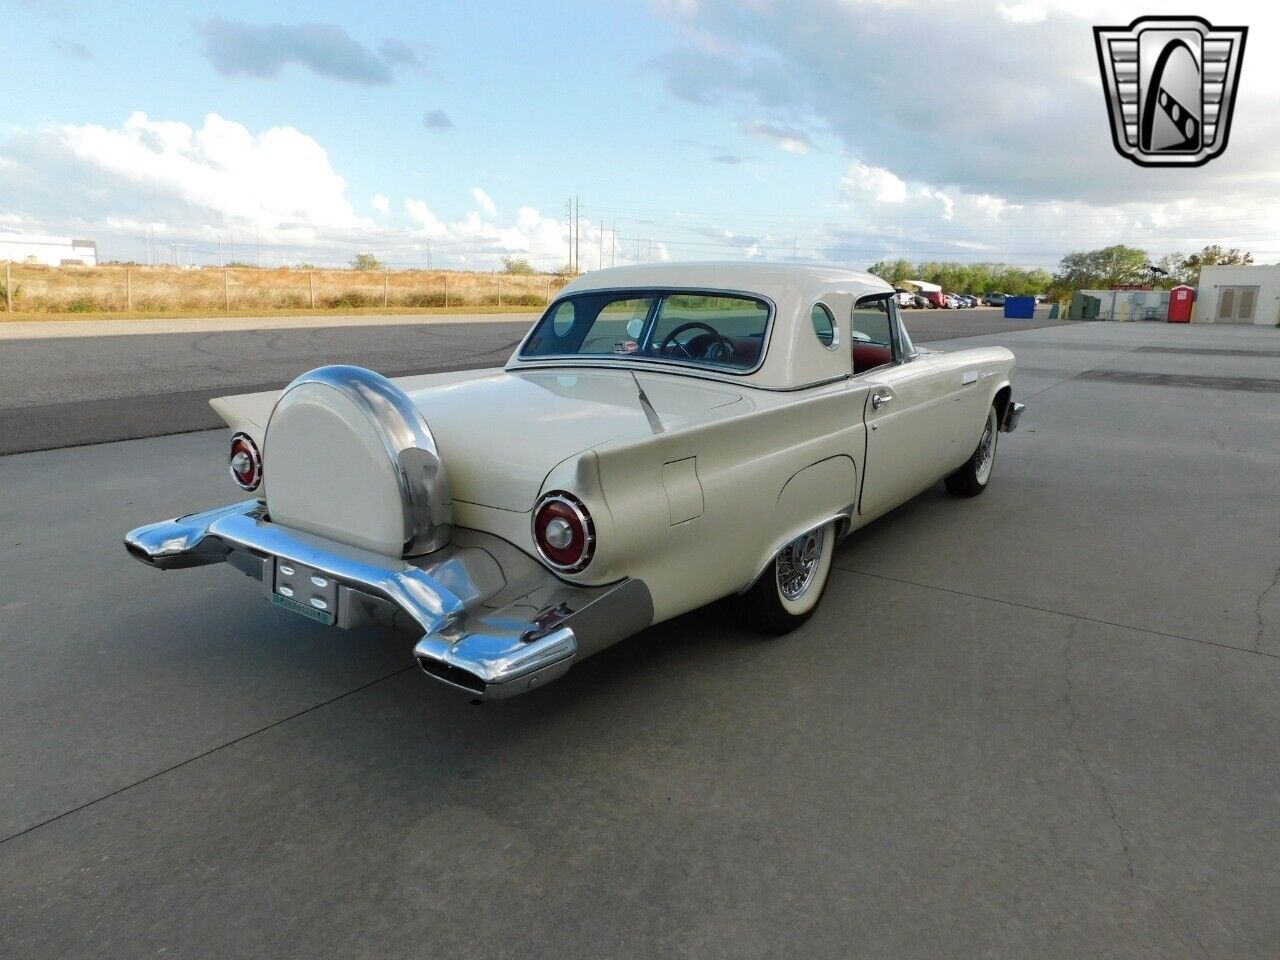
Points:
x=972 y=478
x=788 y=591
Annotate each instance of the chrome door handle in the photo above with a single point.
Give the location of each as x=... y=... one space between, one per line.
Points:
x=878 y=400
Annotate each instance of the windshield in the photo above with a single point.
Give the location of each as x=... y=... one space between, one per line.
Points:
x=710 y=329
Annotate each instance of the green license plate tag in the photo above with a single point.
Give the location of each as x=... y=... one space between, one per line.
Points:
x=320 y=616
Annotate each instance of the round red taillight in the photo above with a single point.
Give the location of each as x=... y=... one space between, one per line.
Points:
x=245 y=462
x=563 y=532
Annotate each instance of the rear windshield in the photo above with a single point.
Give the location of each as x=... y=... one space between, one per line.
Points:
x=709 y=329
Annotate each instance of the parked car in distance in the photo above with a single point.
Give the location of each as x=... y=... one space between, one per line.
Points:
x=994 y=299
x=664 y=436
x=936 y=300
x=905 y=298
x=967 y=300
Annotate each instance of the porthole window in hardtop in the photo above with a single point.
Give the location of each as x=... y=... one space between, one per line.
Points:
x=824 y=324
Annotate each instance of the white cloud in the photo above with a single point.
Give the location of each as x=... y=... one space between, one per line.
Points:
x=1023 y=12
x=790 y=140
x=484 y=201
x=1008 y=151
x=1025 y=119
x=221 y=181
x=873 y=184
x=219 y=175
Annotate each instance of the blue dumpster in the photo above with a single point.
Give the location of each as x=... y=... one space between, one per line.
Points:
x=1019 y=308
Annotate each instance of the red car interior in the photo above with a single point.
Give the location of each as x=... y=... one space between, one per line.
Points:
x=869 y=355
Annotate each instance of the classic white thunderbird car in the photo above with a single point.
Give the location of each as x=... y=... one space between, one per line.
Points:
x=663 y=437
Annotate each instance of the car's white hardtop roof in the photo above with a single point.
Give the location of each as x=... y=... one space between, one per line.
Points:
x=773 y=280
x=794 y=356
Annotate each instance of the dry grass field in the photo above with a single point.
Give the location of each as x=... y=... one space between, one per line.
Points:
x=171 y=291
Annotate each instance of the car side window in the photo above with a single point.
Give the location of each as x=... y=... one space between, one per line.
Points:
x=871 y=332
x=870 y=321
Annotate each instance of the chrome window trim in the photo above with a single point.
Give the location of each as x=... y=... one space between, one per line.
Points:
x=835 y=325
x=576 y=359
x=899 y=331
x=420 y=473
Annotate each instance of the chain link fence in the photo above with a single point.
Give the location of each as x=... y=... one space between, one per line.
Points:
x=33 y=288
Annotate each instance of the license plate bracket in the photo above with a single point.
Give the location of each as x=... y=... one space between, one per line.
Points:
x=304 y=590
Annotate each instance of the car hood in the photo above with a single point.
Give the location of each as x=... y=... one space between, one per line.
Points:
x=500 y=434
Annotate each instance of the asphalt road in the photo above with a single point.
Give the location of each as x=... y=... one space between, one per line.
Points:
x=59 y=391
x=1039 y=723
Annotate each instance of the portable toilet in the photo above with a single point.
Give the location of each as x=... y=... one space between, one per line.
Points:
x=1181 y=300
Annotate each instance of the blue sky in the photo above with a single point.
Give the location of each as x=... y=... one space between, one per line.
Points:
x=823 y=129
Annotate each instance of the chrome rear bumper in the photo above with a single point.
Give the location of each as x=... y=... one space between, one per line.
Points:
x=492 y=621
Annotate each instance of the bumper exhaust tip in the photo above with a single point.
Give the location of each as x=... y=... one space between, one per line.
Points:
x=453 y=676
x=138 y=553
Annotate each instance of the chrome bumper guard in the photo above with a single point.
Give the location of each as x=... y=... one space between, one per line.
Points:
x=492 y=621
x=1012 y=414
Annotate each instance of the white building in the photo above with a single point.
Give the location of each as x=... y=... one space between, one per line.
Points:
x=1239 y=295
x=51 y=251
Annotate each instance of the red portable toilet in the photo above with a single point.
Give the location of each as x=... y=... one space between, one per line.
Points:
x=1181 y=299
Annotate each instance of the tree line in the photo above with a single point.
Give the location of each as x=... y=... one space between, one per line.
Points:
x=975 y=278
x=1103 y=269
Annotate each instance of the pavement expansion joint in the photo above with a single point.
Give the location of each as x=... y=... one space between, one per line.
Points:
x=205 y=753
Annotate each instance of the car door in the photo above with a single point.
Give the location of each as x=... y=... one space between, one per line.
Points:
x=907 y=440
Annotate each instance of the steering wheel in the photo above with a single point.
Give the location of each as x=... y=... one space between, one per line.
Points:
x=694 y=325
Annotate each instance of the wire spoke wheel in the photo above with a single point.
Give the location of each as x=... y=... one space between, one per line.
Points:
x=798 y=563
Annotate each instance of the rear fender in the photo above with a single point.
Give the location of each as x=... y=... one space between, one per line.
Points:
x=817 y=495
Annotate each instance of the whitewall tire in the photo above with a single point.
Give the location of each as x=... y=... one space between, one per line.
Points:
x=972 y=478
x=792 y=585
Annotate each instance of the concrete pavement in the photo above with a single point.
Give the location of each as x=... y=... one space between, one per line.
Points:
x=1042 y=722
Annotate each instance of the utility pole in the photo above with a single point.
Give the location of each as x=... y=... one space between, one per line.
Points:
x=221 y=262
x=568 y=216
x=257 y=239
x=577 y=234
